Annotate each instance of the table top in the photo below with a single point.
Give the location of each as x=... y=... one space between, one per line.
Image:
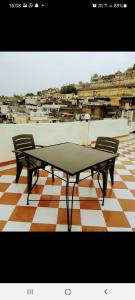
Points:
x=69 y=157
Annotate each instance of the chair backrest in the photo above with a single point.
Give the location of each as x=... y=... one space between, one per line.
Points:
x=107 y=144
x=21 y=143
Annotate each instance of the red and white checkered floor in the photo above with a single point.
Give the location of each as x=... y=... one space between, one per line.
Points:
x=117 y=214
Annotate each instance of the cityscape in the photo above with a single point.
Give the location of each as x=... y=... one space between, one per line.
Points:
x=109 y=96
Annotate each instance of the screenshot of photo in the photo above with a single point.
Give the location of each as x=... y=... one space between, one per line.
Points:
x=67 y=149
x=67 y=158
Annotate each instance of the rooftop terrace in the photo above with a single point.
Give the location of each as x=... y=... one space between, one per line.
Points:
x=117 y=214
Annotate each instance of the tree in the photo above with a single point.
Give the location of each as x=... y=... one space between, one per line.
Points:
x=39 y=93
x=80 y=82
x=29 y=95
x=134 y=67
x=68 y=89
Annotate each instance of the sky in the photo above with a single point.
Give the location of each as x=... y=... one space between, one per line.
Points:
x=25 y=72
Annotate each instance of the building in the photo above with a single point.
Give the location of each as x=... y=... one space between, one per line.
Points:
x=114 y=86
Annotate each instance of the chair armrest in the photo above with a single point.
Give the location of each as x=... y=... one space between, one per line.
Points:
x=39 y=146
x=17 y=151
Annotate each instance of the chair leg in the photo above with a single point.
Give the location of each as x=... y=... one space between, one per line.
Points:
x=52 y=173
x=105 y=178
x=111 y=171
x=18 y=171
x=29 y=181
x=92 y=173
x=77 y=177
x=35 y=172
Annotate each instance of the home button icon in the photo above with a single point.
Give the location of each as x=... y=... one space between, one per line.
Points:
x=68 y=292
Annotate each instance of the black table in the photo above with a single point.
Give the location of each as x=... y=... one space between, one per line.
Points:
x=72 y=159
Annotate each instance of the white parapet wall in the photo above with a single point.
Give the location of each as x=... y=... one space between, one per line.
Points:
x=108 y=127
x=44 y=134
x=53 y=133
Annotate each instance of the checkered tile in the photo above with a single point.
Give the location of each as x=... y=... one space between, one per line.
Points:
x=47 y=208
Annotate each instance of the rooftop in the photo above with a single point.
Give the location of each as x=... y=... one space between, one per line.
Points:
x=117 y=214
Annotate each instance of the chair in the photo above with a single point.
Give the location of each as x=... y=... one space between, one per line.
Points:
x=26 y=142
x=109 y=145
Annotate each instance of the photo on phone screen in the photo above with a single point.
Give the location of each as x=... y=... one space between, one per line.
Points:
x=67 y=150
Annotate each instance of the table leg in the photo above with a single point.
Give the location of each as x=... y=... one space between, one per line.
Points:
x=72 y=201
x=69 y=210
x=67 y=203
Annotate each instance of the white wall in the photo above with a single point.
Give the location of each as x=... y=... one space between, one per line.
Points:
x=44 y=134
x=132 y=126
x=4 y=109
x=54 y=133
x=108 y=127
